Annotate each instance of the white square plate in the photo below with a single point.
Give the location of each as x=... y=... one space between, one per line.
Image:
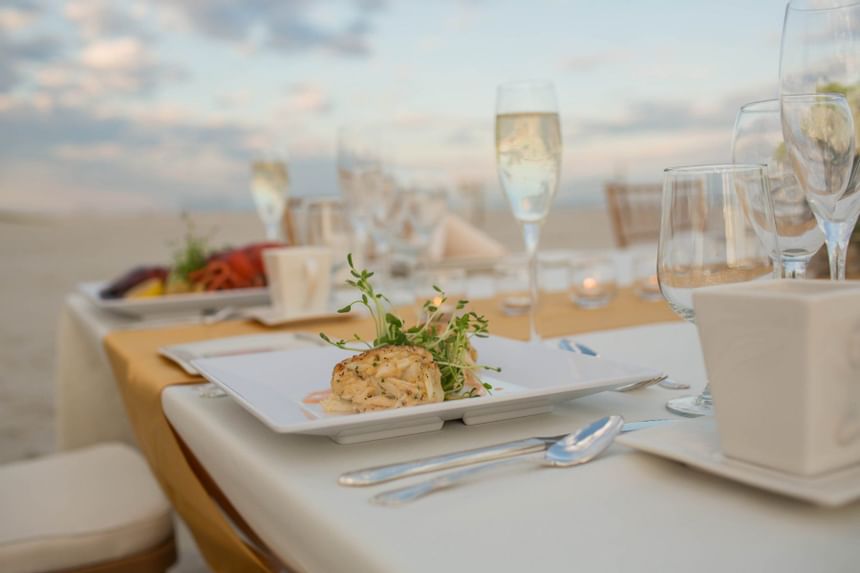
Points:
x=696 y=443
x=273 y=387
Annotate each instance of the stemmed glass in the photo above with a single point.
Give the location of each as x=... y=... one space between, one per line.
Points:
x=270 y=185
x=819 y=89
x=528 y=154
x=362 y=183
x=716 y=227
x=757 y=138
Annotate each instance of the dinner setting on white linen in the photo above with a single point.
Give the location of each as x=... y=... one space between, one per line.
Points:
x=395 y=287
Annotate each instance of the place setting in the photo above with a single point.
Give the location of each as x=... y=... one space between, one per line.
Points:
x=576 y=308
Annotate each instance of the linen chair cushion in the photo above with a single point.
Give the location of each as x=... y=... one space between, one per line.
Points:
x=77 y=508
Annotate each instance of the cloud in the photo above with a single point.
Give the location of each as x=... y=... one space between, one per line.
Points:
x=342 y=28
x=179 y=162
x=670 y=116
x=103 y=18
x=587 y=62
x=307 y=98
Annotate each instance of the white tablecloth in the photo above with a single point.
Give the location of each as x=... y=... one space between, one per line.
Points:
x=88 y=406
x=624 y=512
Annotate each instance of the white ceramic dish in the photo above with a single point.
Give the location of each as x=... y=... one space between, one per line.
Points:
x=272 y=387
x=695 y=443
x=183 y=354
x=173 y=304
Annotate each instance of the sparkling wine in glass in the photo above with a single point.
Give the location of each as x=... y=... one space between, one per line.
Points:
x=270 y=185
x=757 y=138
x=819 y=61
x=528 y=154
x=716 y=227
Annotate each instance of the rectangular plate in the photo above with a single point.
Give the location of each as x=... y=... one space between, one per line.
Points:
x=175 y=303
x=272 y=386
x=696 y=443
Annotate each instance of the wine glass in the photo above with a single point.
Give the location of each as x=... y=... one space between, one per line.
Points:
x=270 y=185
x=326 y=225
x=757 y=138
x=716 y=227
x=362 y=185
x=820 y=57
x=528 y=154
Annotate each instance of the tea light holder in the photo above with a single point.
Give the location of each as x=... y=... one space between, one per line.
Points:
x=645 y=283
x=512 y=287
x=593 y=283
x=451 y=281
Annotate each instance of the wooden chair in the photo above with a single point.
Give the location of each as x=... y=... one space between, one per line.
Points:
x=634 y=210
x=93 y=510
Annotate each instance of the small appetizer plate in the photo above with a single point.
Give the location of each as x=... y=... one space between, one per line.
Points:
x=173 y=304
x=696 y=443
x=183 y=354
x=283 y=389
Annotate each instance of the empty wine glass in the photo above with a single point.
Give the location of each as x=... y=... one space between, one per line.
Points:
x=326 y=225
x=819 y=59
x=716 y=227
x=757 y=138
x=270 y=189
x=528 y=154
x=362 y=184
x=416 y=214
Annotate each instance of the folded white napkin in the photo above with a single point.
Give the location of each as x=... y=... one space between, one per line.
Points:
x=458 y=239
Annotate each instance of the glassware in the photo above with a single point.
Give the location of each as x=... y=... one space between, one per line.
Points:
x=593 y=282
x=528 y=154
x=757 y=138
x=820 y=57
x=645 y=283
x=554 y=272
x=512 y=287
x=326 y=225
x=270 y=189
x=416 y=216
x=362 y=183
x=716 y=227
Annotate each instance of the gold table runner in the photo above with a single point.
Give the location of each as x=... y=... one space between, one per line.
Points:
x=142 y=374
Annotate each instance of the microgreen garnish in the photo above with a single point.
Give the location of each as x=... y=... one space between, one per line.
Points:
x=448 y=344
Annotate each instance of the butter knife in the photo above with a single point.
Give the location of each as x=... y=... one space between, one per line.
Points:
x=390 y=472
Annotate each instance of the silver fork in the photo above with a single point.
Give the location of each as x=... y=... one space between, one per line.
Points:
x=662 y=380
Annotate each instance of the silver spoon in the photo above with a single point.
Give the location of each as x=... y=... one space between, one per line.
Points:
x=663 y=382
x=573 y=449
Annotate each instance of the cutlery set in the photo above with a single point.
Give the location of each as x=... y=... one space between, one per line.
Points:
x=565 y=450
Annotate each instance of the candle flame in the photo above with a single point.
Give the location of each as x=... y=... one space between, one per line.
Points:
x=589 y=283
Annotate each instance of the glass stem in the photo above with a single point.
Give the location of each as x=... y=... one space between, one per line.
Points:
x=273 y=231
x=836 y=236
x=531 y=235
x=794 y=268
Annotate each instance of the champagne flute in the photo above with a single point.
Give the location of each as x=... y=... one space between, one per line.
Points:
x=270 y=186
x=820 y=57
x=757 y=138
x=528 y=154
x=716 y=227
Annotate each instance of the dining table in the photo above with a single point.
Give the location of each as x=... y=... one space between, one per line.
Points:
x=258 y=500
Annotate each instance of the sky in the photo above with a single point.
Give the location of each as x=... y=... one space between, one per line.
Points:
x=161 y=104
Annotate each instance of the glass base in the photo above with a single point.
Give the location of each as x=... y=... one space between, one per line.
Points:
x=691 y=406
